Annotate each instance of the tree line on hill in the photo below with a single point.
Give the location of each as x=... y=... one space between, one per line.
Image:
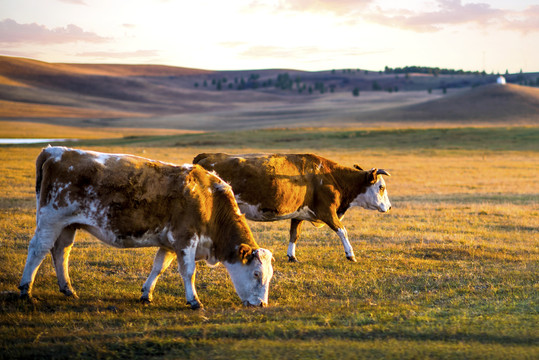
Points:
x=435 y=71
x=321 y=84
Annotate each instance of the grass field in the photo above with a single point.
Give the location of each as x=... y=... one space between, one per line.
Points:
x=450 y=273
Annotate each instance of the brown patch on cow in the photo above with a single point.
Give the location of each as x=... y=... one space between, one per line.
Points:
x=289 y=181
x=139 y=196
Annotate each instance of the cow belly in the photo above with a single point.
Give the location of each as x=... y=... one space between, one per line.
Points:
x=255 y=213
x=148 y=239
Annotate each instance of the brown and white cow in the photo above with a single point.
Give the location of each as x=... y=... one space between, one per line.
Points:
x=300 y=187
x=128 y=201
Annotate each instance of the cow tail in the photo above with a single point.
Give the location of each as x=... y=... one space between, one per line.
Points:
x=40 y=161
x=199 y=158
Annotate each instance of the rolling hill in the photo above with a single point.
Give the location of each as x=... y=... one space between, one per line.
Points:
x=488 y=103
x=183 y=98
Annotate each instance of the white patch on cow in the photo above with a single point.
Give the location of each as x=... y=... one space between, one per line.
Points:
x=55 y=152
x=291 y=252
x=102 y=158
x=343 y=235
x=251 y=280
x=170 y=237
x=70 y=168
x=188 y=269
x=319 y=166
x=190 y=251
x=204 y=251
x=373 y=198
x=253 y=212
x=187 y=166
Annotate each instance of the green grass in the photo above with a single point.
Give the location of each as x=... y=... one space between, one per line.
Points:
x=450 y=273
x=467 y=138
x=485 y=138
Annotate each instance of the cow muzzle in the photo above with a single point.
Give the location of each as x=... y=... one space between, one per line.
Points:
x=260 y=304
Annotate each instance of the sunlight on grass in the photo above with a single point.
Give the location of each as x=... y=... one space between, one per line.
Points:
x=451 y=272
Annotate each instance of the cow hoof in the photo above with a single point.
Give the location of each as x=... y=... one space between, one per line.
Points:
x=144 y=300
x=70 y=294
x=28 y=299
x=195 y=305
x=352 y=258
x=292 y=259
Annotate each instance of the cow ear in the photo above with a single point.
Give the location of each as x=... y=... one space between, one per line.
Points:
x=373 y=176
x=356 y=166
x=245 y=253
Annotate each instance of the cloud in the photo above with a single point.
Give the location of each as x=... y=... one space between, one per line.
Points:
x=339 y=7
x=119 y=54
x=13 y=32
x=76 y=2
x=306 y=52
x=524 y=21
x=436 y=15
x=454 y=12
x=448 y=12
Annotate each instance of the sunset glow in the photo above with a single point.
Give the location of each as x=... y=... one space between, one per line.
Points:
x=490 y=35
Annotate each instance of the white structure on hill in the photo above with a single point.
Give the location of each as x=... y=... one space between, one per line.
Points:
x=500 y=80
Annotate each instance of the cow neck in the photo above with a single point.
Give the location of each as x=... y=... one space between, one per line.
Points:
x=351 y=183
x=228 y=229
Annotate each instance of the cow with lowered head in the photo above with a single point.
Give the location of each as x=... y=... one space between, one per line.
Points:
x=128 y=201
x=300 y=187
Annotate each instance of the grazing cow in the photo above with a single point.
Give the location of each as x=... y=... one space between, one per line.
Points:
x=299 y=187
x=128 y=201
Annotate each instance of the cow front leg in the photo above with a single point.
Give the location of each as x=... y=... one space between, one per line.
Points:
x=187 y=268
x=60 y=258
x=343 y=235
x=295 y=230
x=335 y=224
x=161 y=262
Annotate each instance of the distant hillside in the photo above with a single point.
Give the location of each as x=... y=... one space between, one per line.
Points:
x=22 y=68
x=485 y=103
x=185 y=98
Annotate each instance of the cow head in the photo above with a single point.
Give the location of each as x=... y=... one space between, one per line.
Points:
x=251 y=275
x=375 y=195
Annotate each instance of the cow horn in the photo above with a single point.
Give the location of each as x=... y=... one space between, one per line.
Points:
x=382 y=172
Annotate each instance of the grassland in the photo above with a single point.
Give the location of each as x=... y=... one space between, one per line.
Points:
x=450 y=273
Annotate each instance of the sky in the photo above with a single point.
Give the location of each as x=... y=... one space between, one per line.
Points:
x=491 y=35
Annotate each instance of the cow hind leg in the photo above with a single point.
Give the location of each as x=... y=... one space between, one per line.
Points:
x=162 y=260
x=295 y=230
x=42 y=242
x=60 y=258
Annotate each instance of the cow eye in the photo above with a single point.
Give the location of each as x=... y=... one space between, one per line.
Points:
x=382 y=188
x=257 y=274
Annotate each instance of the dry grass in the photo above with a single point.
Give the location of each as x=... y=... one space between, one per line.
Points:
x=12 y=109
x=29 y=130
x=450 y=273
